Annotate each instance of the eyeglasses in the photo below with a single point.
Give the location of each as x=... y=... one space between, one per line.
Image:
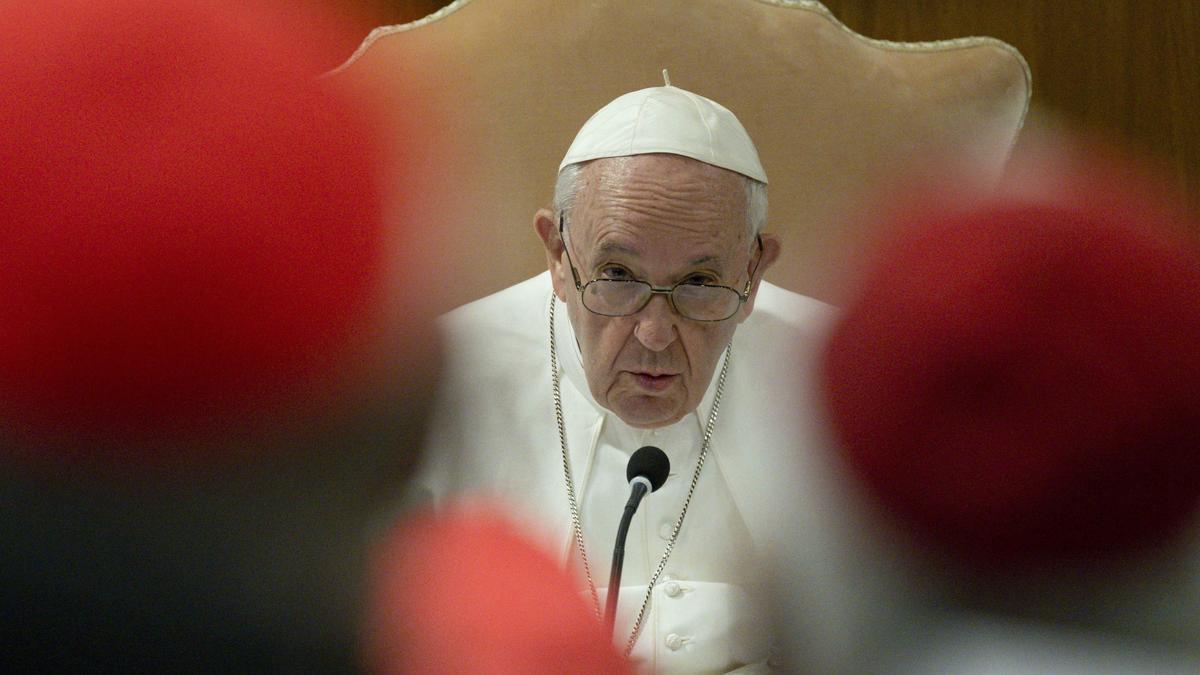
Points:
x=623 y=297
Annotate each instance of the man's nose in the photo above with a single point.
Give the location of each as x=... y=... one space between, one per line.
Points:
x=656 y=326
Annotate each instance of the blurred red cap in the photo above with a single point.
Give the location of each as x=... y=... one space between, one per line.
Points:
x=465 y=593
x=192 y=230
x=1018 y=378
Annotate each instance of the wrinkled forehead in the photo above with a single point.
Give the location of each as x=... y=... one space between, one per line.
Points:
x=661 y=194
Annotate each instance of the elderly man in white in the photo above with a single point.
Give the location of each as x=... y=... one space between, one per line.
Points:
x=652 y=326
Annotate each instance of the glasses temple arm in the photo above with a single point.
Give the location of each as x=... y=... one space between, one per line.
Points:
x=750 y=281
x=562 y=237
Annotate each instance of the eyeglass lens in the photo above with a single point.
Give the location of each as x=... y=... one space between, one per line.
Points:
x=621 y=298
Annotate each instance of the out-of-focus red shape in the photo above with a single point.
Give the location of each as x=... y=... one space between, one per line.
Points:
x=192 y=229
x=465 y=593
x=1018 y=378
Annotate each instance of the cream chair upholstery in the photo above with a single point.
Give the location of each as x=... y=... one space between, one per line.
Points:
x=834 y=114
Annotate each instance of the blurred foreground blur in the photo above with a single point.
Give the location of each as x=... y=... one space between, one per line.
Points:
x=1016 y=392
x=216 y=349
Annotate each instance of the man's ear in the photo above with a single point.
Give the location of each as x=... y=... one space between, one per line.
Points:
x=771 y=248
x=547 y=229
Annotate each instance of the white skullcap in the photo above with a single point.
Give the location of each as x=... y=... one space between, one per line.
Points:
x=668 y=120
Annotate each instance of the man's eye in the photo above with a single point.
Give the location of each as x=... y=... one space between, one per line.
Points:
x=701 y=279
x=614 y=272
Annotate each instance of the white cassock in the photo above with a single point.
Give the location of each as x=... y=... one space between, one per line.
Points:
x=494 y=434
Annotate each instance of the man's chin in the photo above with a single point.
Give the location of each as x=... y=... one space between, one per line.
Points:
x=649 y=412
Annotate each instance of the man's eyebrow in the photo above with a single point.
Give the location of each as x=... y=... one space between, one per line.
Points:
x=610 y=247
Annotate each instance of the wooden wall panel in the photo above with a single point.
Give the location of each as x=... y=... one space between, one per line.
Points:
x=1128 y=69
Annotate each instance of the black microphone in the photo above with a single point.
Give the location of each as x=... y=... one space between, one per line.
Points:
x=647 y=471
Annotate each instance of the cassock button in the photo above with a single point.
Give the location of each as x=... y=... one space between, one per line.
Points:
x=672 y=589
x=664 y=530
x=674 y=642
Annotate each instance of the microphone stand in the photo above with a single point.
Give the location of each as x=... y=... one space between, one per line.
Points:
x=640 y=487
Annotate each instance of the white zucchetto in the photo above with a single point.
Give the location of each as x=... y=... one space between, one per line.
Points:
x=667 y=120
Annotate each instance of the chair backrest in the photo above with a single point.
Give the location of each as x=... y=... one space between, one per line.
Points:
x=834 y=114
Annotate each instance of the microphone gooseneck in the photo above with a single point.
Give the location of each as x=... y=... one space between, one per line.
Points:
x=646 y=472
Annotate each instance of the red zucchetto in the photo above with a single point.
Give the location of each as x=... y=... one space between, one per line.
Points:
x=1018 y=378
x=192 y=232
x=466 y=593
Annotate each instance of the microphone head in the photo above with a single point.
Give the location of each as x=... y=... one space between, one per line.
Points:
x=651 y=463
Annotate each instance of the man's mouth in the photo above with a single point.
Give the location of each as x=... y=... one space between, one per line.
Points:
x=654 y=381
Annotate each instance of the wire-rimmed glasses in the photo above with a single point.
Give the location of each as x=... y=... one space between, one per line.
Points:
x=623 y=297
